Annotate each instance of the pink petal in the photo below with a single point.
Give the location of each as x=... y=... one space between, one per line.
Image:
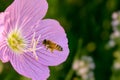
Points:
x=29 y=67
x=51 y=30
x=3 y=47
x=4 y=53
x=2 y=17
x=25 y=13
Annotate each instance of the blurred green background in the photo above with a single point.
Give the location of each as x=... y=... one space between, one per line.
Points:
x=88 y=27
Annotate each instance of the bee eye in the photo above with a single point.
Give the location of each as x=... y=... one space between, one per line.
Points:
x=44 y=41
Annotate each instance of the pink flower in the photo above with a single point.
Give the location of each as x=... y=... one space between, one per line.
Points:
x=24 y=35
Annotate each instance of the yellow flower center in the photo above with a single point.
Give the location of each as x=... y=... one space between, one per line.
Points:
x=18 y=44
x=16 y=41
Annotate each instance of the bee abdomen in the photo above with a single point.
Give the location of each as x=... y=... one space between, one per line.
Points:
x=58 y=47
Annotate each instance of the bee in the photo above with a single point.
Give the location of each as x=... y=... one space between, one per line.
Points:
x=52 y=45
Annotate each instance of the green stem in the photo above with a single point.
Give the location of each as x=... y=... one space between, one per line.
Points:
x=71 y=71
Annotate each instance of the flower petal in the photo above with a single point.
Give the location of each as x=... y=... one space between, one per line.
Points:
x=4 y=53
x=29 y=67
x=24 y=13
x=2 y=18
x=51 y=30
x=3 y=47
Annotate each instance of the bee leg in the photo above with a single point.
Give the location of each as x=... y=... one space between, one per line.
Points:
x=47 y=48
x=51 y=50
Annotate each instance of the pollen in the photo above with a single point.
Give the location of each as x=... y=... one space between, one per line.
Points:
x=16 y=42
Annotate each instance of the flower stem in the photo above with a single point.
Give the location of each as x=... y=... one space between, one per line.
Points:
x=71 y=71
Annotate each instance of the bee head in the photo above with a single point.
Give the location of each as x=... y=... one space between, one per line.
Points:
x=44 y=41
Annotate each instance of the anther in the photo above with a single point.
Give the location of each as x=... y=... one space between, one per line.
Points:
x=34 y=43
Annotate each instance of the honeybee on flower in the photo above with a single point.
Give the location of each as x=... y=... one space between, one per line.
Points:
x=52 y=45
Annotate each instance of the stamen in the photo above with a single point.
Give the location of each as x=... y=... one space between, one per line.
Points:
x=18 y=44
x=33 y=39
x=34 y=43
